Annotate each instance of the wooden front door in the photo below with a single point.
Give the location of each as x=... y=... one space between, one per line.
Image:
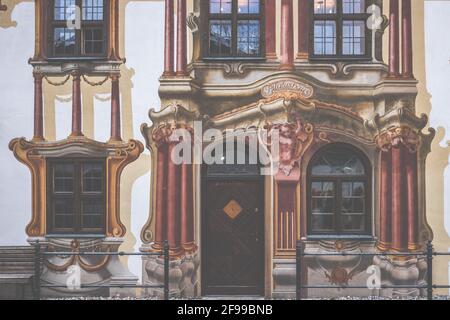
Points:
x=233 y=236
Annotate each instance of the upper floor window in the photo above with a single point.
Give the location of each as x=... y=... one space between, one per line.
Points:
x=76 y=197
x=339 y=192
x=234 y=28
x=339 y=29
x=87 y=40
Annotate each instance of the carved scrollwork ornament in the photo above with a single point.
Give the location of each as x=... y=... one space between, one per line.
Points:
x=399 y=135
x=294 y=140
x=77 y=259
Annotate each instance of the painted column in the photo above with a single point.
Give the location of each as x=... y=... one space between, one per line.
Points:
x=287 y=35
x=412 y=193
x=407 y=54
x=303 y=29
x=271 y=29
x=76 y=105
x=173 y=203
x=399 y=219
x=115 y=109
x=38 y=108
x=161 y=188
x=394 y=50
x=187 y=208
x=385 y=200
x=169 y=39
x=181 y=38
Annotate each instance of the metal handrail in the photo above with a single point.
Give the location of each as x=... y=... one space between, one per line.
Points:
x=429 y=254
x=39 y=255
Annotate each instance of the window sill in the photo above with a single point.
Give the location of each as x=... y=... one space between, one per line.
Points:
x=341 y=237
x=234 y=59
x=79 y=236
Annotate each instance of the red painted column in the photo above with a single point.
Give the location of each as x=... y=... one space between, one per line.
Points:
x=271 y=29
x=303 y=29
x=76 y=106
x=412 y=193
x=115 y=109
x=173 y=204
x=407 y=54
x=169 y=39
x=161 y=190
x=181 y=38
x=38 y=108
x=187 y=209
x=399 y=219
x=384 y=242
x=287 y=35
x=394 y=39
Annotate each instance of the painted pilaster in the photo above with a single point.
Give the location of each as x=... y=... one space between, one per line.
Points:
x=38 y=108
x=76 y=105
x=303 y=29
x=181 y=38
x=287 y=35
x=116 y=135
x=270 y=10
x=394 y=39
x=169 y=39
x=407 y=52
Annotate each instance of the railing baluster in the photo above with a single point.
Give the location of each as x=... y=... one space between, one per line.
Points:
x=37 y=271
x=430 y=270
x=166 y=270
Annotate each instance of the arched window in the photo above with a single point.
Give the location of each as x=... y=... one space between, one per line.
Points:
x=339 y=192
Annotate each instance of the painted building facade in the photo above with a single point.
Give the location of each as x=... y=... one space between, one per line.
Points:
x=343 y=82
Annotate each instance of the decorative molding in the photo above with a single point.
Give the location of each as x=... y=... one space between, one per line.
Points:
x=77 y=259
x=34 y=155
x=399 y=135
x=294 y=139
x=287 y=88
x=3 y=7
x=193 y=21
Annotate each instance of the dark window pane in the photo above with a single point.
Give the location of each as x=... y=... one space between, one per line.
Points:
x=248 y=6
x=92 y=213
x=64 y=10
x=220 y=37
x=324 y=6
x=92 y=177
x=63 y=213
x=323 y=223
x=353 y=223
x=64 y=41
x=353 y=6
x=220 y=6
x=63 y=177
x=324 y=37
x=248 y=38
x=338 y=162
x=93 y=41
x=93 y=10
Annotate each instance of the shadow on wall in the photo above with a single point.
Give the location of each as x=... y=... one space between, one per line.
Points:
x=437 y=160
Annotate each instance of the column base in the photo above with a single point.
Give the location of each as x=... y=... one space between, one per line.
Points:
x=183 y=276
x=406 y=271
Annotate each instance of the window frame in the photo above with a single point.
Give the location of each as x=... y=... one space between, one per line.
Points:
x=339 y=17
x=234 y=17
x=79 y=40
x=77 y=196
x=338 y=181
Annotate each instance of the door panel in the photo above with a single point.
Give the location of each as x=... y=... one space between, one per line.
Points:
x=233 y=244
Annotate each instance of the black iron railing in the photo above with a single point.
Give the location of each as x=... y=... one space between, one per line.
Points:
x=429 y=254
x=40 y=255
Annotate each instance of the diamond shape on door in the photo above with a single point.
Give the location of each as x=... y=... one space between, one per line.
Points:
x=232 y=209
